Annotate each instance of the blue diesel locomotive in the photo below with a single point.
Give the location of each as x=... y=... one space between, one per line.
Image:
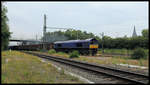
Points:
x=88 y=46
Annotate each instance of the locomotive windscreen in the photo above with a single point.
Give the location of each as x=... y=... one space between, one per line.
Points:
x=94 y=41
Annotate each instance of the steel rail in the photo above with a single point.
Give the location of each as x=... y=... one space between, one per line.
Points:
x=129 y=76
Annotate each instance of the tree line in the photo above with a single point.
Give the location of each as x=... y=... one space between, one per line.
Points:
x=108 y=42
x=126 y=42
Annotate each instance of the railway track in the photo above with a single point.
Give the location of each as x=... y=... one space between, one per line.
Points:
x=135 y=78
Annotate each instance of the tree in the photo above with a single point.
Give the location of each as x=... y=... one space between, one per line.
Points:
x=5 y=34
x=68 y=35
x=145 y=33
x=106 y=41
x=138 y=53
x=145 y=38
x=55 y=36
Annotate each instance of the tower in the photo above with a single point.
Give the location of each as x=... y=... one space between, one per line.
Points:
x=134 y=33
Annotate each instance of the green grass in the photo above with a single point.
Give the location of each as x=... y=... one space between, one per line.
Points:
x=120 y=51
x=61 y=53
x=19 y=67
x=108 y=60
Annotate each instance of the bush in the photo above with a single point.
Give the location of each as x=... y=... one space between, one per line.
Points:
x=74 y=54
x=51 y=51
x=138 y=53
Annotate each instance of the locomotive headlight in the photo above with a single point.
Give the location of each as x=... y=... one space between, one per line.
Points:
x=93 y=46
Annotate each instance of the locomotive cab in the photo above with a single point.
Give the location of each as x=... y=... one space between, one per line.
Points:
x=93 y=43
x=93 y=46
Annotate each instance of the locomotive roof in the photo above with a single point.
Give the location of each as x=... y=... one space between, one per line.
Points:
x=70 y=41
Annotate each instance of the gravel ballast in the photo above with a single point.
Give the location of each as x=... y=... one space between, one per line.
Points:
x=87 y=76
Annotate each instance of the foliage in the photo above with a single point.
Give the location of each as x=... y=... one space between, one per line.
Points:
x=5 y=34
x=145 y=33
x=68 y=35
x=74 y=54
x=108 y=42
x=52 y=51
x=125 y=42
x=138 y=53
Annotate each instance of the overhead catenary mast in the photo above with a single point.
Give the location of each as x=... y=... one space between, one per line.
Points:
x=44 y=31
x=45 y=27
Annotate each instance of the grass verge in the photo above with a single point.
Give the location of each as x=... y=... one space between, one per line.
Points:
x=19 y=67
x=107 y=60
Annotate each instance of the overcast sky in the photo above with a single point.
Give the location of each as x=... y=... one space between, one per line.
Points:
x=115 y=19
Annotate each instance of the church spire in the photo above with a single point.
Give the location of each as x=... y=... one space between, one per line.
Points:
x=134 y=33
